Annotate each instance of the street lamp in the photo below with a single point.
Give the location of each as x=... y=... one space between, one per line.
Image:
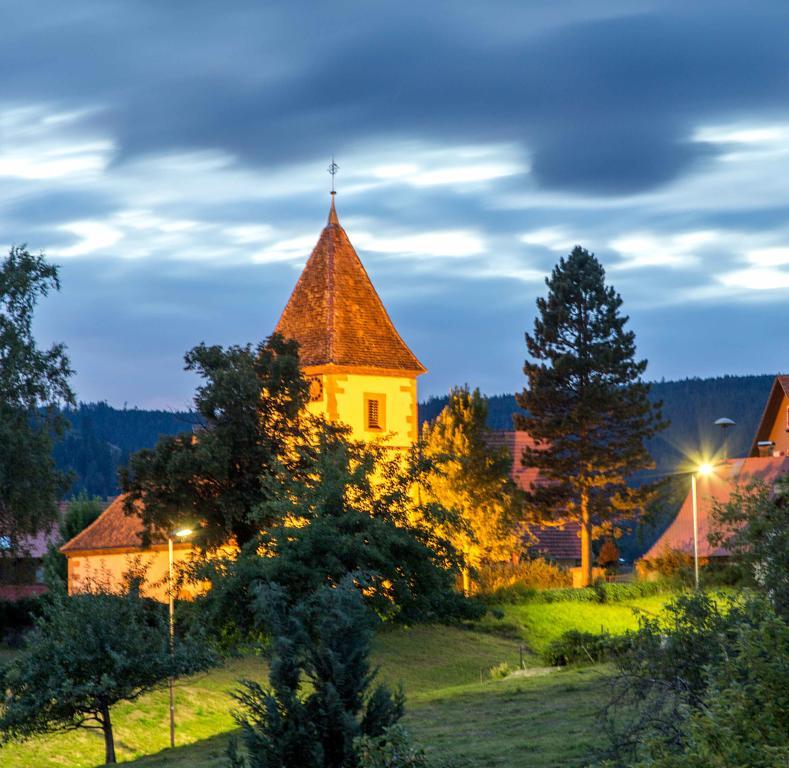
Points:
x=182 y=533
x=704 y=470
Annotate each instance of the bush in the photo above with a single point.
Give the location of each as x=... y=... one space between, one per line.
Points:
x=601 y=592
x=673 y=565
x=744 y=719
x=664 y=679
x=508 y=582
x=500 y=671
x=392 y=749
x=576 y=647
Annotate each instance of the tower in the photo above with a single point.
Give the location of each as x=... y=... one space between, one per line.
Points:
x=361 y=372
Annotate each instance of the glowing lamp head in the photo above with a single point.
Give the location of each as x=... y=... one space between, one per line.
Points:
x=183 y=533
x=705 y=469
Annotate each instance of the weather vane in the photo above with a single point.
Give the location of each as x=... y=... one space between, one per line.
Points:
x=333 y=168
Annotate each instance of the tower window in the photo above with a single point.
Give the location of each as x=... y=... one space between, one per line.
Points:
x=374 y=412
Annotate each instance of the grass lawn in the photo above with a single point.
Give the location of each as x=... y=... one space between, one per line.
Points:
x=539 y=623
x=544 y=718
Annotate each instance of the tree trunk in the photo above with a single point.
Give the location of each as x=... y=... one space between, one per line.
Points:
x=109 y=739
x=466 y=581
x=586 y=541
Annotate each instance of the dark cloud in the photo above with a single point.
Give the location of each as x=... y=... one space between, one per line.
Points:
x=604 y=103
x=601 y=99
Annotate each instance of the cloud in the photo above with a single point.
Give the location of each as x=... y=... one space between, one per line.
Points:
x=182 y=180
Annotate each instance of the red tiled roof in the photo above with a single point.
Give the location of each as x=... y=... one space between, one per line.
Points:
x=561 y=542
x=715 y=487
x=555 y=542
x=336 y=315
x=113 y=529
x=515 y=442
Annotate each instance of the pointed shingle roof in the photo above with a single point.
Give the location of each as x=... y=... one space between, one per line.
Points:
x=336 y=315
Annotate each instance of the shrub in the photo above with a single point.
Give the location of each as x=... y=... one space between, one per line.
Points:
x=576 y=647
x=392 y=749
x=670 y=673
x=601 y=592
x=673 y=565
x=516 y=582
x=499 y=671
x=745 y=716
x=324 y=641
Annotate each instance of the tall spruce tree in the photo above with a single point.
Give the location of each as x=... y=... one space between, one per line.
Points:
x=587 y=406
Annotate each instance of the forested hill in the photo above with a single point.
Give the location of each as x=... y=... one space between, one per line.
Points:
x=691 y=405
x=102 y=437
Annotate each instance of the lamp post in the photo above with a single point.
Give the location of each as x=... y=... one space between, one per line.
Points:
x=703 y=470
x=180 y=534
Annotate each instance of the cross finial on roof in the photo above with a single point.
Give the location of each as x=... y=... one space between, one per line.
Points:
x=333 y=168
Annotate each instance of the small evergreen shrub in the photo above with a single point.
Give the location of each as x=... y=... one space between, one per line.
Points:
x=601 y=592
x=576 y=647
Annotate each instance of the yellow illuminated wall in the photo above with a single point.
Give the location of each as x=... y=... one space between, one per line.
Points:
x=779 y=433
x=343 y=394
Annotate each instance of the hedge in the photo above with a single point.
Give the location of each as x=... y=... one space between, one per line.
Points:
x=576 y=647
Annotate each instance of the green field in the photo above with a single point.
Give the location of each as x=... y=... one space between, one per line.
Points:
x=539 y=718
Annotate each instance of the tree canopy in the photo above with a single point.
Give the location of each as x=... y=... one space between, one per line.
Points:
x=86 y=653
x=587 y=407
x=471 y=480
x=355 y=513
x=224 y=479
x=34 y=383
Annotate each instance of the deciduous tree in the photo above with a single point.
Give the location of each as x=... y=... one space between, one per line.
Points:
x=86 y=653
x=587 y=407
x=354 y=513
x=471 y=479
x=34 y=385
x=225 y=479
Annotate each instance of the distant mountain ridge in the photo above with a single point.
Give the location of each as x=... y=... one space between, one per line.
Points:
x=103 y=437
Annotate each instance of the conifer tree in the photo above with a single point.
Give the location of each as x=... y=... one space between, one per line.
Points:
x=471 y=480
x=325 y=640
x=587 y=407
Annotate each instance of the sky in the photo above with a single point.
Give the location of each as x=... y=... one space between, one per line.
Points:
x=171 y=157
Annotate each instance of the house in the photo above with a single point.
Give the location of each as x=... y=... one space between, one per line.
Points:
x=767 y=462
x=22 y=564
x=361 y=373
x=559 y=542
x=772 y=434
x=22 y=560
